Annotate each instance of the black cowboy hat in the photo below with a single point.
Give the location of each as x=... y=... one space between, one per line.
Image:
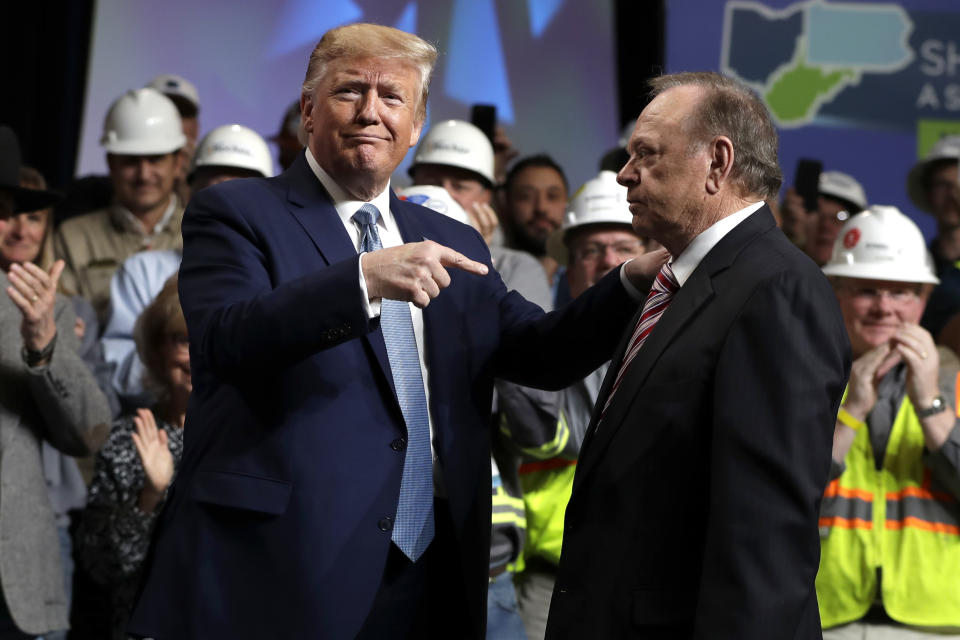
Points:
x=23 y=199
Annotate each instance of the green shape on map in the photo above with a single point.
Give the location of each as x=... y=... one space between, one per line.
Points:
x=795 y=94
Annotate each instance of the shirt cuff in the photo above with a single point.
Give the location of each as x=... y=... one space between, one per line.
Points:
x=370 y=307
x=632 y=291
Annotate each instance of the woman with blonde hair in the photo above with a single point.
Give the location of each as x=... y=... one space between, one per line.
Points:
x=136 y=465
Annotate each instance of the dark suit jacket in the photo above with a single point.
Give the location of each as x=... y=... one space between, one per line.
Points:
x=277 y=524
x=695 y=502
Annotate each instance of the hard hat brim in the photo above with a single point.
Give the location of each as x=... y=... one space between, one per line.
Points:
x=892 y=272
x=140 y=148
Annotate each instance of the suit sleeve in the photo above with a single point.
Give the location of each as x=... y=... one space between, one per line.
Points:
x=66 y=394
x=778 y=383
x=241 y=323
x=554 y=351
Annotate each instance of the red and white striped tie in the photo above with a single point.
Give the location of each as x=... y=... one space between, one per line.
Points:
x=658 y=299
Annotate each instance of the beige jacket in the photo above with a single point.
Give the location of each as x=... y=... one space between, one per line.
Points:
x=94 y=246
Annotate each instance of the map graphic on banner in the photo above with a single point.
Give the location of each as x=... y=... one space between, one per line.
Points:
x=836 y=63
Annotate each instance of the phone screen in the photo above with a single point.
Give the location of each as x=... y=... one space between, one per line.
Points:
x=484 y=116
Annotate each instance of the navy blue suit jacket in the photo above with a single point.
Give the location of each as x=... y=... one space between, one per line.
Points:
x=292 y=463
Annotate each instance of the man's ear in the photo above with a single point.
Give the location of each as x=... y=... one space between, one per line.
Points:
x=415 y=133
x=180 y=160
x=721 y=163
x=306 y=112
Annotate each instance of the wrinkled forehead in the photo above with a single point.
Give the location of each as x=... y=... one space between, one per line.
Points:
x=396 y=70
x=668 y=111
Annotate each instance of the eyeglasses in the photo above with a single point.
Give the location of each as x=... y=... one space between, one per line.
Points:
x=897 y=295
x=592 y=251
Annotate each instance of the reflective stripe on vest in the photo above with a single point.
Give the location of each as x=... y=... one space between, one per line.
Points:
x=897 y=519
x=547 y=449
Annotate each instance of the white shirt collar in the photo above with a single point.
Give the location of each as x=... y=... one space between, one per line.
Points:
x=132 y=223
x=345 y=204
x=685 y=264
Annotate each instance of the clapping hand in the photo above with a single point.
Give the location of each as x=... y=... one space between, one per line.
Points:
x=865 y=374
x=152 y=446
x=916 y=348
x=34 y=292
x=484 y=219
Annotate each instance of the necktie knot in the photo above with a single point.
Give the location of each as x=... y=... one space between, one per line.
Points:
x=666 y=281
x=366 y=218
x=664 y=286
x=366 y=215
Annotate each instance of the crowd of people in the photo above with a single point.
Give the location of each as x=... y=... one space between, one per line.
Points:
x=303 y=448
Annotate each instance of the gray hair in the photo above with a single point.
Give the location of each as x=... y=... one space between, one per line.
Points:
x=364 y=40
x=731 y=109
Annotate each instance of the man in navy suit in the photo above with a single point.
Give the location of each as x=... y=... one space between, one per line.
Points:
x=302 y=507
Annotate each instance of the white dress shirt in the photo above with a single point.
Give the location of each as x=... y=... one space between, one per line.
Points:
x=389 y=237
x=684 y=264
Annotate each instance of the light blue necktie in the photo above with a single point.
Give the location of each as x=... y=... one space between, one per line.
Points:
x=413 y=529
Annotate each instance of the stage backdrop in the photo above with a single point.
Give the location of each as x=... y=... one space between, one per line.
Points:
x=866 y=87
x=548 y=65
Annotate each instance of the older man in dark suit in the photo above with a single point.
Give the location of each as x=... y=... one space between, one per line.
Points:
x=695 y=502
x=336 y=473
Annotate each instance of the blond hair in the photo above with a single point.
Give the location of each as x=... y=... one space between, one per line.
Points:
x=161 y=319
x=365 y=40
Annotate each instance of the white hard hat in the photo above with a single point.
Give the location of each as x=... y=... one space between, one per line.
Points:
x=457 y=143
x=176 y=87
x=881 y=243
x=843 y=186
x=234 y=145
x=142 y=122
x=945 y=149
x=436 y=198
x=599 y=201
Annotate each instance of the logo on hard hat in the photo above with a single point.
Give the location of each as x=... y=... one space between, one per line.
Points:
x=851 y=238
x=449 y=146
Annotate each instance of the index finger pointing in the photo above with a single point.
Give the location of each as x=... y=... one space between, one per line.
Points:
x=451 y=258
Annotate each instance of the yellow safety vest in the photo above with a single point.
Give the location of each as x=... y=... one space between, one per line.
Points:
x=898 y=520
x=547 y=485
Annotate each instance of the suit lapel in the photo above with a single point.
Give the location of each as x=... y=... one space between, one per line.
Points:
x=696 y=292
x=312 y=207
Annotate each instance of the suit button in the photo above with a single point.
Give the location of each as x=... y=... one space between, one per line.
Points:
x=399 y=444
x=385 y=524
